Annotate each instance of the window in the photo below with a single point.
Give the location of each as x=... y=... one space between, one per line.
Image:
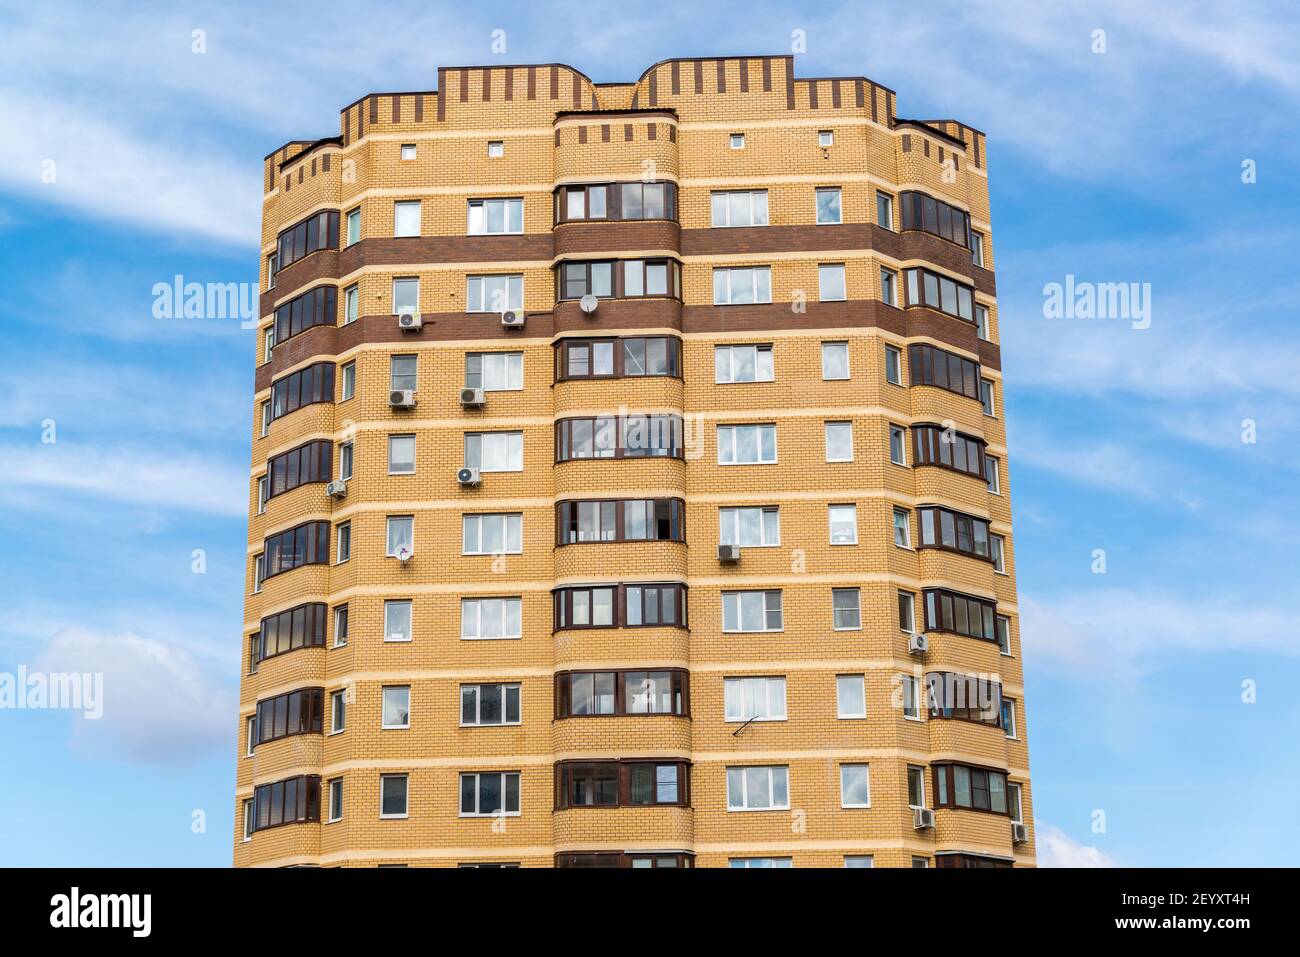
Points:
x=743 y=364
x=629 y=436
x=751 y=527
x=585 y=202
x=828 y=206
x=408 y=151
x=739 y=208
x=906 y=612
x=982 y=321
x=948 y=449
x=902 y=528
x=266 y=418
x=401 y=535
x=500 y=534
x=620 y=520
x=488 y=793
x=395 y=709
x=303 y=465
x=897 y=445
x=737 y=141
x=915 y=786
x=959 y=614
x=494 y=371
x=335 y=801
x=929 y=365
x=843 y=522
x=346 y=451
x=578 y=279
x=743 y=285
x=496 y=149
x=397 y=620
x=621 y=784
x=340 y=626
x=645 y=277
x=992 y=476
x=305 y=544
x=259 y=573
x=483 y=706
x=893 y=365
x=300 y=627
x=855 y=785
x=354 y=227
x=934 y=216
x=263 y=492
x=1002 y=629
x=392 y=795
x=911 y=688
x=758 y=789
x=1014 y=807
x=751 y=611
x=888 y=287
x=349 y=381
x=292 y=713
x=406 y=218
x=338 y=711
x=402 y=373
x=830 y=282
x=746 y=444
x=945 y=528
x=612 y=606
x=401 y=455
x=632 y=356
x=986 y=396
x=997 y=544
x=343 y=538
x=291 y=801
x=249 y=819
x=754 y=699
x=1008 y=717
x=494 y=293
x=490 y=618
x=978 y=789
x=858 y=860
x=850 y=696
x=825 y=138
x=884 y=210
x=963 y=697
x=615 y=201
x=760 y=862
x=313 y=384
x=406 y=296
x=935 y=291
x=318 y=231
x=835 y=360
x=977 y=248
x=250 y=735
x=846 y=610
x=920 y=863
x=839 y=441
x=272 y=266
x=351 y=304
x=268 y=343
x=495 y=451
x=647 y=201
x=496 y=216
x=620 y=692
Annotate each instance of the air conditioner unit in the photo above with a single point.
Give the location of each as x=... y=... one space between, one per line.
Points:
x=337 y=489
x=922 y=818
x=402 y=398
x=410 y=322
x=1019 y=833
x=917 y=644
x=472 y=398
x=729 y=554
x=469 y=476
x=513 y=319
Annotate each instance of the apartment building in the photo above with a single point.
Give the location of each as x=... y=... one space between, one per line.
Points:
x=629 y=483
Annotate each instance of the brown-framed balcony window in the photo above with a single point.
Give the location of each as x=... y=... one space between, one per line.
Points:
x=963 y=697
x=942 y=293
x=300 y=627
x=611 y=859
x=636 y=783
x=315 y=307
x=924 y=212
x=291 y=801
x=617 y=437
x=615 y=201
x=928 y=365
x=949 y=449
x=619 y=279
x=970 y=788
x=318 y=231
x=305 y=544
x=969 y=860
x=629 y=357
x=621 y=606
x=295 y=712
x=954 y=531
x=580 y=694
x=310 y=462
x=960 y=614
x=315 y=383
x=620 y=520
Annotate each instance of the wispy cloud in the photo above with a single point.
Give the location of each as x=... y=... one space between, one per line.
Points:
x=1058 y=849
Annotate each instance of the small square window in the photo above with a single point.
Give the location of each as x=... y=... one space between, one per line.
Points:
x=496 y=149
x=408 y=151
x=825 y=138
x=737 y=141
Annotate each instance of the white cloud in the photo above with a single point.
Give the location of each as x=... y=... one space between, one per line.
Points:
x=1058 y=849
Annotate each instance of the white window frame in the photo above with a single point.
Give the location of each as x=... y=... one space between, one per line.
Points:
x=511 y=438
x=481 y=299
x=263 y=492
x=352 y=216
x=870 y=860
x=977 y=252
x=817 y=209
x=752 y=201
x=478 y=797
x=477 y=518
x=758 y=349
x=857 y=594
x=759 y=863
x=1002 y=618
x=888 y=287
x=389 y=634
x=905 y=528
x=383 y=700
x=861 y=683
x=399 y=437
x=1019 y=816
x=406 y=797
x=771 y=770
x=349 y=384
x=477 y=604
x=982 y=325
x=736 y=596
x=998 y=552
x=1012 y=732
x=825 y=138
x=496 y=149
x=837 y=424
x=913 y=682
x=502 y=366
x=391 y=522
x=746 y=687
x=823 y=269
x=351 y=304
x=921 y=776
x=266 y=418
x=478 y=704
x=987 y=398
x=268 y=342
x=730 y=515
x=250 y=729
x=896 y=354
x=830 y=522
x=889 y=209
x=406 y=280
x=341 y=635
x=901 y=432
x=335 y=803
x=866 y=771
x=996 y=487
x=505 y=216
x=731 y=273
x=848 y=372
x=911 y=604
x=402 y=209
x=348 y=455
x=338 y=710
x=342 y=535
x=249 y=820
x=736 y=141
x=729 y=431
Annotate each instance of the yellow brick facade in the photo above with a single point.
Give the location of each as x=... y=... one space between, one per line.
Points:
x=673 y=125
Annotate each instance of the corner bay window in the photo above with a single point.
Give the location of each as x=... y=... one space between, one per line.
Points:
x=621 y=783
x=300 y=627
x=620 y=279
x=617 y=859
x=315 y=383
x=616 y=201
x=315 y=307
x=620 y=520
x=949 y=449
x=620 y=606
x=928 y=365
x=927 y=288
x=296 y=712
x=936 y=217
x=608 y=437
x=972 y=788
x=964 y=698
x=944 y=528
x=597 y=693
x=306 y=544
x=316 y=232
x=618 y=358
x=959 y=614
x=291 y=801
x=307 y=463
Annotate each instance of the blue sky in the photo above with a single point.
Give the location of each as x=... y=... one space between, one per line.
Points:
x=1122 y=166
